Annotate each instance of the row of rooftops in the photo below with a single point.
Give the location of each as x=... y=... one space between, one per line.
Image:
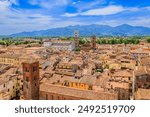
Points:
x=89 y=59
x=78 y=93
x=86 y=79
x=57 y=41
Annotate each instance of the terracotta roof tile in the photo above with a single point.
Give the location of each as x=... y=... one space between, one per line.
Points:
x=83 y=94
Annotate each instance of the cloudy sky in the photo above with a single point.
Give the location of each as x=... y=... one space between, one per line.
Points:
x=29 y=15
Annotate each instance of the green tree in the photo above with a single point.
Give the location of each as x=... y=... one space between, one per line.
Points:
x=148 y=40
x=77 y=49
x=81 y=41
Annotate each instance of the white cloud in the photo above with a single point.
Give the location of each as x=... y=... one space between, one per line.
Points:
x=138 y=21
x=66 y=23
x=48 y=4
x=23 y=21
x=134 y=9
x=70 y=14
x=4 y=5
x=83 y=5
x=12 y=20
x=109 y=10
x=147 y=8
x=74 y=3
x=141 y=21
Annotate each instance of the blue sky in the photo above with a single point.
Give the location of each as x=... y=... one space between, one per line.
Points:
x=29 y=15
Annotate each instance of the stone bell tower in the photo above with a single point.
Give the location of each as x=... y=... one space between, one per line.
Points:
x=31 y=80
x=94 y=42
x=76 y=38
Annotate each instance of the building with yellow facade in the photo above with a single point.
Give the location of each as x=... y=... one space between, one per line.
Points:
x=11 y=59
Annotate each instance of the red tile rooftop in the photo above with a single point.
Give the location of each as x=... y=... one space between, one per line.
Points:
x=83 y=94
x=2 y=81
x=143 y=94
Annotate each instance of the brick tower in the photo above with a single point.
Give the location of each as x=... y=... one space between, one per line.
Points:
x=76 y=34
x=94 y=42
x=31 y=80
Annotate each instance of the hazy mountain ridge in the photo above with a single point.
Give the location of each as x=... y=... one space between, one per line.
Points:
x=88 y=30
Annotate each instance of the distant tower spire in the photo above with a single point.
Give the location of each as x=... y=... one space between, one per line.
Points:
x=94 y=42
x=76 y=36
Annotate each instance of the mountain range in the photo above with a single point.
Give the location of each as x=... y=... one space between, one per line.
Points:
x=88 y=30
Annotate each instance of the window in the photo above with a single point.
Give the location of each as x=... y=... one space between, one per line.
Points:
x=52 y=97
x=27 y=86
x=129 y=78
x=26 y=69
x=4 y=85
x=35 y=78
x=34 y=69
x=130 y=90
x=46 y=96
x=27 y=79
